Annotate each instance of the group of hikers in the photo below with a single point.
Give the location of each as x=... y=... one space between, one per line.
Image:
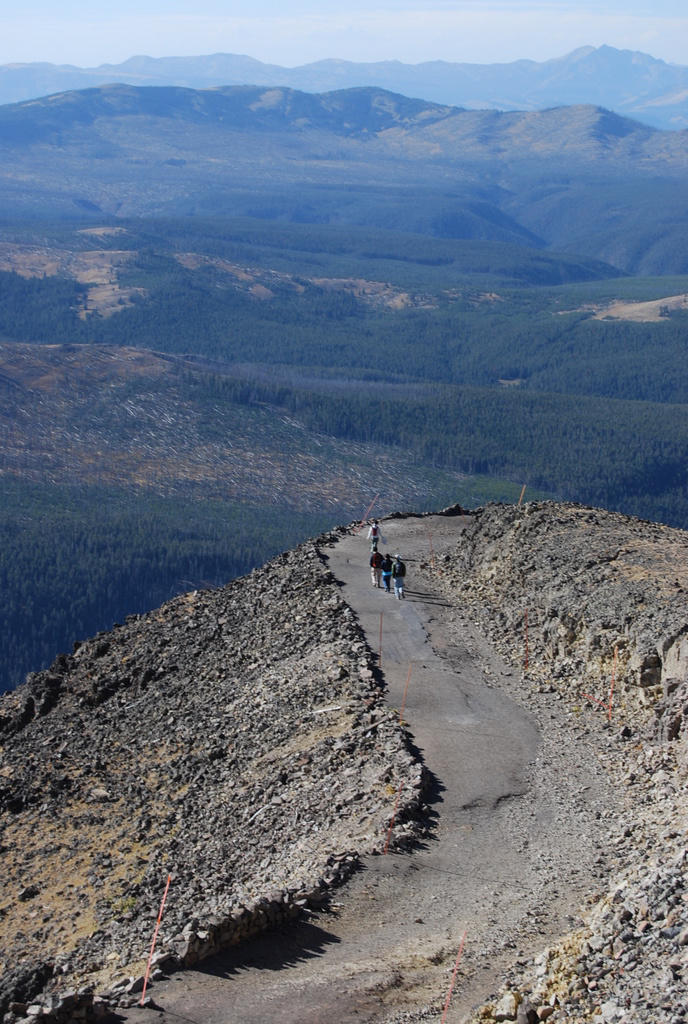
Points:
x=384 y=569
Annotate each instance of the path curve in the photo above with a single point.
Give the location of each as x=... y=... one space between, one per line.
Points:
x=498 y=866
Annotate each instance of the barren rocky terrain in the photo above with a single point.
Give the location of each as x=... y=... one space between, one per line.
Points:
x=642 y=312
x=238 y=741
x=607 y=619
x=235 y=740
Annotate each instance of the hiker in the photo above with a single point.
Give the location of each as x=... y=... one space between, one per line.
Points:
x=386 y=573
x=376 y=568
x=398 y=573
x=374 y=534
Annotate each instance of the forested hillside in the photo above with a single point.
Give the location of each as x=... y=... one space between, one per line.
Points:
x=632 y=83
x=179 y=399
x=76 y=559
x=331 y=298
x=128 y=478
x=579 y=180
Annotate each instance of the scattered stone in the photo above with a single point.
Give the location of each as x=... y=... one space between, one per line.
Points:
x=242 y=749
x=235 y=741
x=595 y=583
x=507 y=1007
x=28 y=893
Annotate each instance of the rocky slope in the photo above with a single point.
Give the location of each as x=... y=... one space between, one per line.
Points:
x=234 y=741
x=583 y=583
x=589 y=583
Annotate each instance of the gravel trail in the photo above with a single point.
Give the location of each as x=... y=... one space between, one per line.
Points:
x=511 y=846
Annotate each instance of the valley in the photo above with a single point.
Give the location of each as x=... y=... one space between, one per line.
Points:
x=231 y=318
x=234 y=319
x=579 y=180
x=231 y=389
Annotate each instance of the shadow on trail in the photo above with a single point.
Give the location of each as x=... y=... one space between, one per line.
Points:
x=427 y=598
x=429 y=812
x=273 y=951
x=279 y=950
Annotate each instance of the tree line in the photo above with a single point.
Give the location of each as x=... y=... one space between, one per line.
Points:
x=74 y=561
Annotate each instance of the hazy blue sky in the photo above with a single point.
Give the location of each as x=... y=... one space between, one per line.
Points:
x=291 y=32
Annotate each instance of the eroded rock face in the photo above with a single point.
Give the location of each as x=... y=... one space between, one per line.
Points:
x=234 y=739
x=593 y=583
x=590 y=582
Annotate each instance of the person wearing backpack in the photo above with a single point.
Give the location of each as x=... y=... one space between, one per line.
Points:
x=376 y=568
x=374 y=535
x=398 y=573
x=386 y=573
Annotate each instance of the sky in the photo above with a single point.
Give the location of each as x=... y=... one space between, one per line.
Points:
x=293 y=32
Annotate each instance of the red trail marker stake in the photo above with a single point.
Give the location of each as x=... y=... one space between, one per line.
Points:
x=394 y=814
x=155 y=937
x=367 y=512
x=451 y=987
x=602 y=704
x=611 y=691
x=522 y=493
x=408 y=677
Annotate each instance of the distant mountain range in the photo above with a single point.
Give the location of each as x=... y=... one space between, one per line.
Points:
x=629 y=82
x=572 y=179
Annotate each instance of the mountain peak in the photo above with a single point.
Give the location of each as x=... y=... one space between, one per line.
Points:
x=629 y=82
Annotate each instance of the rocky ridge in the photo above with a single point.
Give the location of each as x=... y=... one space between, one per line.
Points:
x=233 y=741
x=585 y=584
x=272 y=671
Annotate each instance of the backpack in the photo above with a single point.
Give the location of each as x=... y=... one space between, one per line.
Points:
x=399 y=568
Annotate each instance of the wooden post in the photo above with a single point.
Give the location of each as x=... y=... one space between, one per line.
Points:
x=608 y=707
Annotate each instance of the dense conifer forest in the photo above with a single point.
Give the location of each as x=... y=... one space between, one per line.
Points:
x=74 y=560
x=476 y=361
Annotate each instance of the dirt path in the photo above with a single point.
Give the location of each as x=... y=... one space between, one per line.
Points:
x=511 y=854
